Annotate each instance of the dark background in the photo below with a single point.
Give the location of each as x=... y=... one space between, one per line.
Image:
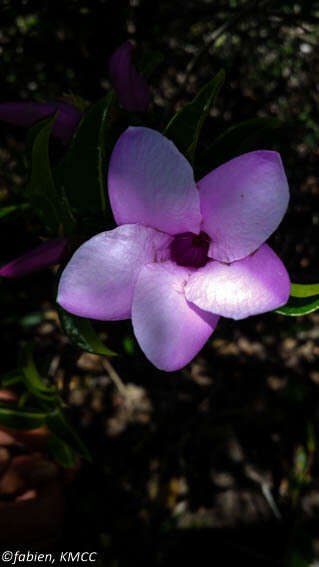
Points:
x=183 y=462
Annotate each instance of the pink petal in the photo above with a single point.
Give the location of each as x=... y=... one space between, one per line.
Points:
x=99 y=280
x=47 y=254
x=169 y=330
x=242 y=202
x=250 y=286
x=131 y=88
x=28 y=113
x=151 y=183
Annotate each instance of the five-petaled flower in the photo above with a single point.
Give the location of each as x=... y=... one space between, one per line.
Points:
x=183 y=253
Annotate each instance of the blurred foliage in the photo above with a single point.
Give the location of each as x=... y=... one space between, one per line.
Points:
x=39 y=404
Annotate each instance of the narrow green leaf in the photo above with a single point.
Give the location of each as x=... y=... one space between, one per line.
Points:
x=81 y=333
x=6 y=382
x=33 y=380
x=62 y=453
x=31 y=319
x=5 y=211
x=23 y=399
x=30 y=371
x=81 y=176
x=304 y=290
x=41 y=188
x=59 y=426
x=21 y=419
x=184 y=128
x=296 y=307
x=238 y=139
x=13 y=377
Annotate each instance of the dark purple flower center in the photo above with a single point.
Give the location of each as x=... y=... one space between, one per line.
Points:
x=190 y=249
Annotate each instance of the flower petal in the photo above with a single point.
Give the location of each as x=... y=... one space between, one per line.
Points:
x=99 y=280
x=28 y=113
x=150 y=182
x=169 y=330
x=66 y=121
x=256 y=284
x=47 y=254
x=131 y=88
x=242 y=202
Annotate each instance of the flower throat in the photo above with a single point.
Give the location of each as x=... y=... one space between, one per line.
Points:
x=190 y=250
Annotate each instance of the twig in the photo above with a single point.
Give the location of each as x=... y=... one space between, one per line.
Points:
x=115 y=378
x=265 y=488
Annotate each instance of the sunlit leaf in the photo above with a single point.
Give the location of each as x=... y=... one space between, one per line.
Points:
x=296 y=307
x=304 y=290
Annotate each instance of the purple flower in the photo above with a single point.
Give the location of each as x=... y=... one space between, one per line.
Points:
x=183 y=254
x=45 y=255
x=131 y=88
x=28 y=113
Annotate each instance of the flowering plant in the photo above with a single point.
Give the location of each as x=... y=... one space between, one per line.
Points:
x=180 y=254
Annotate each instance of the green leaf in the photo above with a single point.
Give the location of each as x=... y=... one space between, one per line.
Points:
x=21 y=419
x=81 y=176
x=31 y=135
x=81 y=333
x=62 y=453
x=12 y=377
x=33 y=380
x=238 y=139
x=41 y=189
x=304 y=290
x=184 y=128
x=298 y=306
x=5 y=211
x=298 y=303
x=31 y=319
x=58 y=425
x=129 y=345
x=23 y=399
